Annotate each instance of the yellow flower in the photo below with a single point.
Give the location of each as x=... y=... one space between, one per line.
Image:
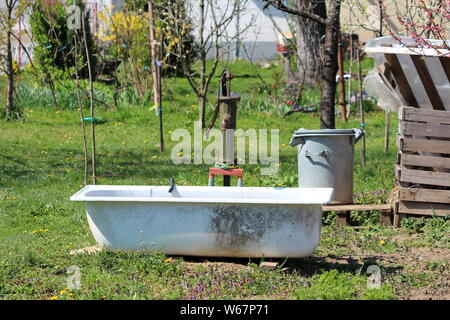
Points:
x=382 y=242
x=168 y=260
x=180 y=153
x=54 y=298
x=62 y=292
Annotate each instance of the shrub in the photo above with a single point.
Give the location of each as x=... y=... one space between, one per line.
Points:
x=55 y=48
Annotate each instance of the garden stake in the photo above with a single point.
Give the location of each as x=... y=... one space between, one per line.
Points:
x=386 y=131
x=80 y=106
x=361 y=110
x=341 y=76
x=91 y=101
x=156 y=74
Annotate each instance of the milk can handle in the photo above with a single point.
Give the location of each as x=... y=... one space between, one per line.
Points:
x=296 y=141
x=359 y=133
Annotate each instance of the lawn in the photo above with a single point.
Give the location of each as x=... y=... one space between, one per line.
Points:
x=41 y=166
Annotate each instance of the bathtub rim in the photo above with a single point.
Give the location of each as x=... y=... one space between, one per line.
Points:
x=319 y=196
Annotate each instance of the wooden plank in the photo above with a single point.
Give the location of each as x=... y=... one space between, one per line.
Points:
x=424 y=115
x=424 y=145
x=425 y=129
x=428 y=83
x=425 y=177
x=268 y=265
x=424 y=208
x=424 y=161
x=424 y=195
x=401 y=80
x=445 y=61
x=357 y=207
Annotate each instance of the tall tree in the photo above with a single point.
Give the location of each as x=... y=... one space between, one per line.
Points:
x=328 y=52
x=310 y=38
x=10 y=11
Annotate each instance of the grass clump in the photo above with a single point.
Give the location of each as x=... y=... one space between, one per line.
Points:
x=335 y=285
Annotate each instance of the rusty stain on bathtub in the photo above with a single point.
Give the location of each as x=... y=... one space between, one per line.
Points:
x=238 y=226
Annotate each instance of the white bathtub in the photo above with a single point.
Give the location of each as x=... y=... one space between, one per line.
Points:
x=206 y=221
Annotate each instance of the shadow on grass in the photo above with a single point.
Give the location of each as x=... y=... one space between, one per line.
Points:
x=308 y=266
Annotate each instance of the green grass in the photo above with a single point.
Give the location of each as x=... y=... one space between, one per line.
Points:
x=41 y=166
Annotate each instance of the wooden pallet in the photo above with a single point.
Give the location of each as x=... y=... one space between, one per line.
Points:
x=343 y=212
x=423 y=163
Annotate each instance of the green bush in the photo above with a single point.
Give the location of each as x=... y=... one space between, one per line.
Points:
x=55 y=44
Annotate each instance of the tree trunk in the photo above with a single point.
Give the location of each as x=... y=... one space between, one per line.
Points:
x=309 y=41
x=330 y=63
x=202 y=97
x=10 y=107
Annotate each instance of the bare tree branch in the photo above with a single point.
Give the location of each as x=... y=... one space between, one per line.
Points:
x=279 y=4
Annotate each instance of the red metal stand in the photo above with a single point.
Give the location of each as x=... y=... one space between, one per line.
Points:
x=239 y=173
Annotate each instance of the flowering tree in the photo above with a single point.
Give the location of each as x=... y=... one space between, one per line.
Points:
x=125 y=36
x=422 y=20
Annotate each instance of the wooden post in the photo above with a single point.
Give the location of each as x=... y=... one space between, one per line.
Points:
x=386 y=131
x=361 y=110
x=341 y=76
x=342 y=218
x=156 y=74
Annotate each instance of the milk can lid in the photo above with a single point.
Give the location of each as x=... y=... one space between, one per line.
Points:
x=301 y=133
